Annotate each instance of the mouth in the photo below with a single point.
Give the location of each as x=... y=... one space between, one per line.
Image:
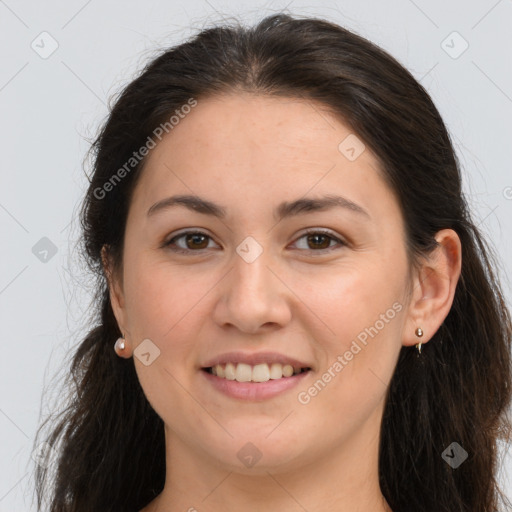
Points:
x=254 y=383
x=258 y=373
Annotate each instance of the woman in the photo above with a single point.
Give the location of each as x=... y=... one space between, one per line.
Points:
x=306 y=316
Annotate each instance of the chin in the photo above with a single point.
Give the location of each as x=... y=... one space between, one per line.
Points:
x=255 y=454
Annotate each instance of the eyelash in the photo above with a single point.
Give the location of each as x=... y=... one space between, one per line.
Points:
x=309 y=232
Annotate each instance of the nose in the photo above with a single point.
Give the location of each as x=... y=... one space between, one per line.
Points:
x=253 y=296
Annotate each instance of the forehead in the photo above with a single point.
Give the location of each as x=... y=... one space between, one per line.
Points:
x=249 y=125
x=260 y=148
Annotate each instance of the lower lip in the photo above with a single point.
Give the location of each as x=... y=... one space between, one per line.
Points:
x=256 y=391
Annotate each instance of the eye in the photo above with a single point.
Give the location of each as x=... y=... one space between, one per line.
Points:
x=320 y=240
x=193 y=239
x=319 y=237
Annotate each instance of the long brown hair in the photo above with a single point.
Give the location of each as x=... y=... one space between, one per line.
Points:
x=109 y=440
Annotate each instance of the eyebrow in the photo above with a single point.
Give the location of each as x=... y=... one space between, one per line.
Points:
x=284 y=210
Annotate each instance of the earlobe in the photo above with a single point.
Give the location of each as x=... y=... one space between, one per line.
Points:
x=434 y=288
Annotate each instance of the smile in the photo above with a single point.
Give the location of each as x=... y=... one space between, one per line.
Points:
x=273 y=380
x=242 y=372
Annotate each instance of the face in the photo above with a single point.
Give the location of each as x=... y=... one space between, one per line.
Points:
x=320 y=288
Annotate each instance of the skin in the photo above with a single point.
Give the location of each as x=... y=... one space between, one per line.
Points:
x=248 y=153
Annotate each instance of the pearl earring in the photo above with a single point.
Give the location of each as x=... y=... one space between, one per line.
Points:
x=119 y=344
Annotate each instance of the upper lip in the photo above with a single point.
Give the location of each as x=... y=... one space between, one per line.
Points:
x=255 y=358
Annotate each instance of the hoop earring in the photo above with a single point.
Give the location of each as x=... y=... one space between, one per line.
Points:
x=419 y=333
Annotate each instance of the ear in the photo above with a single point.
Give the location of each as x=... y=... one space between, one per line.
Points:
x=115 y=287
x=433 y=288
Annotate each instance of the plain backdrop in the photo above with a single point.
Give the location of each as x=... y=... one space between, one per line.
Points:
x=60 y=64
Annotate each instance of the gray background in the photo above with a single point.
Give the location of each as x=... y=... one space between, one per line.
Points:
x=51 y=104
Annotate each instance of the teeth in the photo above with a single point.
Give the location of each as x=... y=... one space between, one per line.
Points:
x=229 y=371
x=287 y=370
x=243 y=372
x=260 y=373
x=276 y=371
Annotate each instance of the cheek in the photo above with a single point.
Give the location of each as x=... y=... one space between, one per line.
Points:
x=360 y=334
x=351 y=299
x=163 y=307
x=159 y=298
x=359 y=345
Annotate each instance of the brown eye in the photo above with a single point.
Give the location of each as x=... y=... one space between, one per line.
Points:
x=195 y=241
x=318 y=240
x=314 y=239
